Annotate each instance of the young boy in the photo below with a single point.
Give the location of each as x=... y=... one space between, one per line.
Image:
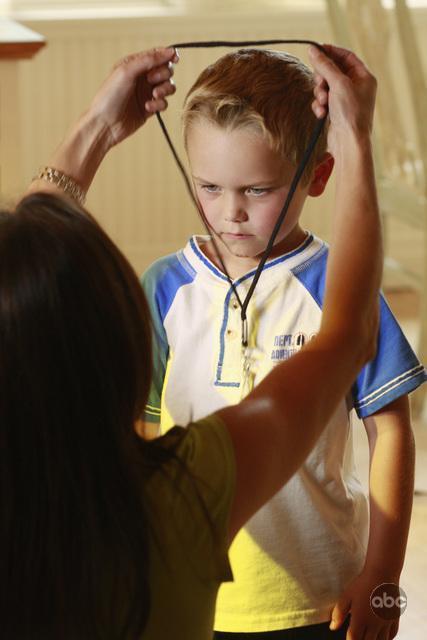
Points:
x=311 y=555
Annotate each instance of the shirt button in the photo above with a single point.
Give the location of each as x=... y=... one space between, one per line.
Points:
x=235 y=305
x=231 y=334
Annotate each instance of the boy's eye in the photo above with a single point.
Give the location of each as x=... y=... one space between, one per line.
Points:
x=210 y=188
x=258 y=191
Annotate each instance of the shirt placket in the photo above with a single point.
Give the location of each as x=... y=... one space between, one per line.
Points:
x=232 y=362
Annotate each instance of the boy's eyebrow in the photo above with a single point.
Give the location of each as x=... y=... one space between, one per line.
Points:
x=265 y=183
x=202 y=180
x=258 y=183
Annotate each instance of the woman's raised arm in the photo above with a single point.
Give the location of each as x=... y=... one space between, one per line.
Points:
x=276 y=426
x=137 y=87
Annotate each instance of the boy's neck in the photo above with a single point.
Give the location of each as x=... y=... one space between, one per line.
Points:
x=238 y=266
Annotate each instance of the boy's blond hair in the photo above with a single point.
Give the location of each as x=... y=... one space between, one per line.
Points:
x=270 y=91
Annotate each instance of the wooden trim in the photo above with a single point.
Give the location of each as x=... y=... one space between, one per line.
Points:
x=19 y=50
x=17 y=42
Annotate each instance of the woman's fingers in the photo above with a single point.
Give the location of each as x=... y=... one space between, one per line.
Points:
x=324 y=65
x=165 y=89
x=160 y=92
x=319 y=110
x=319 y=81
x=343 y=86
x=346 y=61
x=159 y=74
x=154 y=66
x=152 y=106
x=321 y=94
x=320 y=90
x=319 y=104
x=145 y=61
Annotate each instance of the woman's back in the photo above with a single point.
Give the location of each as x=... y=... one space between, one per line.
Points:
x=188 y=501
x=74 y=368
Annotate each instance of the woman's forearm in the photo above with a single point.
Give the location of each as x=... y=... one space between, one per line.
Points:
x=79 y=155
x=355 y=261
x=275 y=428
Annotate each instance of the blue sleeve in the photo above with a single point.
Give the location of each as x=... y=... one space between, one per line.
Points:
x=161 y=282
x=395 y=371
x=160 y=347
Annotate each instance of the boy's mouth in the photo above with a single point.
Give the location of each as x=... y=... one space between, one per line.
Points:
x=237 y=236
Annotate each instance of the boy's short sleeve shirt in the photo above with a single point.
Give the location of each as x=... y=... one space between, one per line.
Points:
x=291 y=578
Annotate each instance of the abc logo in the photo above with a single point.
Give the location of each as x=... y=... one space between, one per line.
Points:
x=388 y=601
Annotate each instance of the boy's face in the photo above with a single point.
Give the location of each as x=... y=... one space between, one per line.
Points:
x=242 y=185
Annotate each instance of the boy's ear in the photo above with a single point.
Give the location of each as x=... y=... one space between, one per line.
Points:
x=321 y=175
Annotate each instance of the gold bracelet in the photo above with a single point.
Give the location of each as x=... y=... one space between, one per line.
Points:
x=64 y=182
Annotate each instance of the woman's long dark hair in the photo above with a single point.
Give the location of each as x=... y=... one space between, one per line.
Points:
x=75 y=366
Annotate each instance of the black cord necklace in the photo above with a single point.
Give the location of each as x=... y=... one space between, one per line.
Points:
x=294 y=184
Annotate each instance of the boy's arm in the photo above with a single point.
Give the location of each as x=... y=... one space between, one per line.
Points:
x=391 y=482
x=147 y=430
x=391 y=485
x=148 y=426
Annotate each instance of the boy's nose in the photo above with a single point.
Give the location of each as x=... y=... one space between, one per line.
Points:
x=235 y=210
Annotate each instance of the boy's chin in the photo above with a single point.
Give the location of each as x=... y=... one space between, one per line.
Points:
x=245 y=253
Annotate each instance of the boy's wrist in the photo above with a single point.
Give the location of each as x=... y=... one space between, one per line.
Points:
x=377 y=577
x=383 y=570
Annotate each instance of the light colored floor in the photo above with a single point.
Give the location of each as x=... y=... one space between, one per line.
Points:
x=413 y=624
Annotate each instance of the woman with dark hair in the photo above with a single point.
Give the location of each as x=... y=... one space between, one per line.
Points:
x=105 y=535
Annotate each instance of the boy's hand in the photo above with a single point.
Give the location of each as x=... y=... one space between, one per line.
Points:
x=364 y=623
x=345 y=86
x=136 y=88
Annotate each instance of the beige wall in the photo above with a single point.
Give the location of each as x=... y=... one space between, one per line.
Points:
x=138 y=194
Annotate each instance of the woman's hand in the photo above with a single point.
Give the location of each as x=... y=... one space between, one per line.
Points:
x=345 y=86
x=136 y=88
